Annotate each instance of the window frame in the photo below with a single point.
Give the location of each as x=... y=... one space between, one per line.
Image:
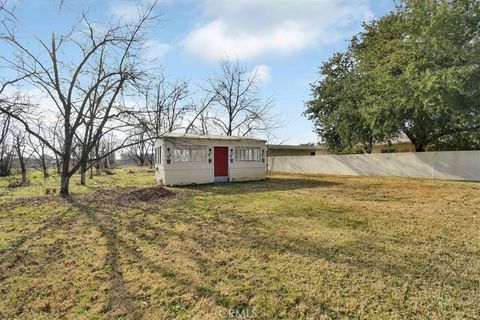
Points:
x=259 y=154
x=158 y=155
x=190 y=149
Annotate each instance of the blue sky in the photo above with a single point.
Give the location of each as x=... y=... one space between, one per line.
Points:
x=285 y=40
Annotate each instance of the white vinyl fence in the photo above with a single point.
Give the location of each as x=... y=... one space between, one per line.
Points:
x=446 y=165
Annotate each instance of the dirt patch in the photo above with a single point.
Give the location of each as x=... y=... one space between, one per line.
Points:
x=33 y=201
x=109 y=172
x=129 y=196
x=125 y=197
x=141 y=170
x=18 y=184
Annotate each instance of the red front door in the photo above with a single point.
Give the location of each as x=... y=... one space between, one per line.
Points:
x=220 y=162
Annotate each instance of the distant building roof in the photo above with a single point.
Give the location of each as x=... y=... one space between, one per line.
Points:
x=209 y=137
x=397 y=140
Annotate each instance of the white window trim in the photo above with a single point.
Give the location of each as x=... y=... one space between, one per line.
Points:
x=190 y=148
x=253 y=148
x=158 y=155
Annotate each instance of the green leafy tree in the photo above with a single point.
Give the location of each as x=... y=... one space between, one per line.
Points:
x=416 y=72
x=337 y=107
x=458 y=141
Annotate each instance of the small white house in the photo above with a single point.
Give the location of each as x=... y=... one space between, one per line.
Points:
x=195 y=159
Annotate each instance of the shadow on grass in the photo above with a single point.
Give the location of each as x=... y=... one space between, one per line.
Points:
x=268 y=185
x=365 y=251
x=120 y=302
x=200 y=237
x=12 y=254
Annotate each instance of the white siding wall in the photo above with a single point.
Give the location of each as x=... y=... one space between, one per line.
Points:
x=447 y=165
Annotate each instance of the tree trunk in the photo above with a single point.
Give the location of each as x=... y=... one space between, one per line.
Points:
x=21 y=160
x=5 y=166
x=112 y=160
x=97 y=168
x=416 y=141
x=45 y=173
x=369 y=147
x=82 y=178
x=65 y=179
x=83 y=171
x=419 y=147
x=24 y=175
x=58 y=164
x=64 y=185
x=44 y=169
x=98 y=163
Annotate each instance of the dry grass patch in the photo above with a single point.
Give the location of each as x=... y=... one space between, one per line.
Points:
x=303 y=247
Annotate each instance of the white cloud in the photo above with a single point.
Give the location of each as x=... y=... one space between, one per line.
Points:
x=253 y=28
x=128 y=11
x=262 y=72
x=124 y=11
x=154 y=49
x=46 y=108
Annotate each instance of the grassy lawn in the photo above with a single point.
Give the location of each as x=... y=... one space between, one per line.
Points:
x=294 y=246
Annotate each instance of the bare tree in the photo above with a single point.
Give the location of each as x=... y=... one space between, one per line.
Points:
x=139 y=152
x=104 y=154
x=4 y=127
x=86 y=92
x=238 y=108
x=109 y=145
x=23 y=155
x=7 y=12
x=200 y=123
x=39 y=153
x=6 y=146
x=6 y=158
x=165 y=108
x=15 y=104
x=55 y=135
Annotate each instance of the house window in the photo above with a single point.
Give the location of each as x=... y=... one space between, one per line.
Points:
x=158 y=155
x=388 y=151
x=198 y=154
x=248 y=154
x=312 y=153
x=190 y=154
x=181 y=155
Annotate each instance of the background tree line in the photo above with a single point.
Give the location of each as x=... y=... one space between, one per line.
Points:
x=105 y=97
x=413 y=72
